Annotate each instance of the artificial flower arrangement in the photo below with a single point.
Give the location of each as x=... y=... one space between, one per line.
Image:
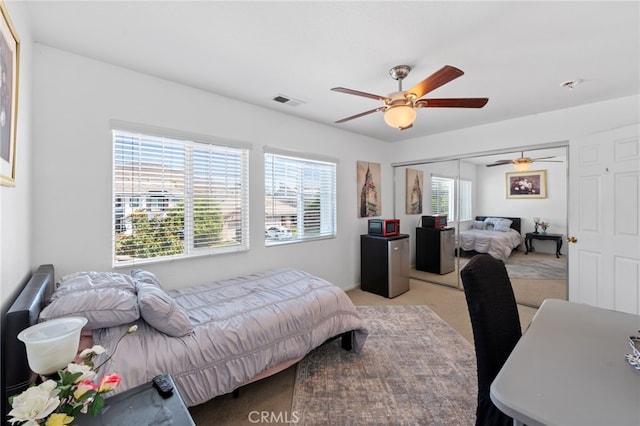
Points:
x=544 y=225
x=58 y=402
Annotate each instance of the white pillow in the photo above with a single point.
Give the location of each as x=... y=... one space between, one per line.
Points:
x=501 y=227
x=502 y=224
x=161 y=311
x=479 y=224
x=105 y=299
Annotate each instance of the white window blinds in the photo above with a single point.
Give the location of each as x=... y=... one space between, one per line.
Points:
x=443 y=198
x=466 y=200
x=300 y=198
x=177 y=198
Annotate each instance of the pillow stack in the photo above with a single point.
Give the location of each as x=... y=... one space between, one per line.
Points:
x=158 y=308
x=110 y=299
x=105 y=299
x=499 y=224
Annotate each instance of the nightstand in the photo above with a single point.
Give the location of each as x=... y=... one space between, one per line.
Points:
x=140 y=406
x=530 y=236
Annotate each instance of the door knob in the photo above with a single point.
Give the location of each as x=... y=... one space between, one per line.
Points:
x=572 y=240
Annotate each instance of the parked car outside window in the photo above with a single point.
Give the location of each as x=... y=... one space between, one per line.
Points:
x=277 y=233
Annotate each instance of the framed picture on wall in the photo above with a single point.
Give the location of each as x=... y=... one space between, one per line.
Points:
x=369 y=196
x=9 y=59
x=415 y=185
x=530 y=184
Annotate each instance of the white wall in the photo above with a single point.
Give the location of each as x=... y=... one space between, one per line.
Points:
x=15 y=202
x=550 y=127
x=75 y=99
x=492 y=201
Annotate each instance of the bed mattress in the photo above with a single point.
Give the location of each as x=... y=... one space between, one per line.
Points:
x=498 y=244
x=242 y=328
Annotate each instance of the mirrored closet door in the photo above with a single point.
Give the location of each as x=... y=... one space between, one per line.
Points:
x=430 y=189
x=529 y=186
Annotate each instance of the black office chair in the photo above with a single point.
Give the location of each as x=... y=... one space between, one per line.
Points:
x=496 y=327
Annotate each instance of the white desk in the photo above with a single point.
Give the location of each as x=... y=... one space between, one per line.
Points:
x=569 y=369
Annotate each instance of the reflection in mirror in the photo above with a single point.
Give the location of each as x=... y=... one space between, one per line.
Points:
x=529 y=187
x=433 y=249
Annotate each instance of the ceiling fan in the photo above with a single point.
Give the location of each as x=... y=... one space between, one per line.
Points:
x=523 y=163
x=400 y=107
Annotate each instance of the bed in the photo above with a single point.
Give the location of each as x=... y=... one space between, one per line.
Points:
x=225 y=334
x=495 y=235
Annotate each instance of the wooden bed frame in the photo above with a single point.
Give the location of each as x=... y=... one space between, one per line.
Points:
x=24 y=313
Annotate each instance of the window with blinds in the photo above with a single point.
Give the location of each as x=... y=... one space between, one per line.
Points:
x=443 y=198
x=177 y=198
x=300 y=198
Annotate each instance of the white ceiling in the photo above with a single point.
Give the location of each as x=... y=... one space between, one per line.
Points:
x=515 y=53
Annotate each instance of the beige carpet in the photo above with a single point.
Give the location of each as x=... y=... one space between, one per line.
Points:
x=382 y=385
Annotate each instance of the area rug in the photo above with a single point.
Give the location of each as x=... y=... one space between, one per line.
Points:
x=532 y=266
x=414 y=369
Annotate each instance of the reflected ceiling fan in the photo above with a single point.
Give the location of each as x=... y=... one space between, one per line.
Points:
x=523 y=163
x=400 y=107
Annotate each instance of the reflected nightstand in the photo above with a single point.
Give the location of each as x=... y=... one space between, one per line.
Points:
x=530 y=236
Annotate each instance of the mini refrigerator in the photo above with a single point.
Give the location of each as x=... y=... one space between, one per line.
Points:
x=384 y=264
x=435 y=250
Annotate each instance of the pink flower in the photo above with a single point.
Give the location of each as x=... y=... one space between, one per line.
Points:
x=84 y=387
x=108 y=382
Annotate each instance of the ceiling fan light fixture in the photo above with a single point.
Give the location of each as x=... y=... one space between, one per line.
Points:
x=522 y=166
x=400 y=116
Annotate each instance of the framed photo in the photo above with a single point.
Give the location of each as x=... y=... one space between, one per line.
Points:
x=369 y=197
x=9 y=61
x=415 y=183
x=531 y=184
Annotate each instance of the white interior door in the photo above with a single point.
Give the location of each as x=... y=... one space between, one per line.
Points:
x=604 y=218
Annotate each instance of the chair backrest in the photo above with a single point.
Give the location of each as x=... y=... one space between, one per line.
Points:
x=495 y=323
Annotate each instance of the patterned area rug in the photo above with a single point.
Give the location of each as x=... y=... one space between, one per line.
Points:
x=414 y=369
x=533 y=266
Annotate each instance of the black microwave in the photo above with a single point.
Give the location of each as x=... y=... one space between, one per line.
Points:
x=437 y=221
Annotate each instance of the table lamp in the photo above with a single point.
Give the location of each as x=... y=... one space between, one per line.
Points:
x=53 y=344
x=536 y=221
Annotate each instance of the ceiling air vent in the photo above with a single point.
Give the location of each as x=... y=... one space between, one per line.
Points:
x=287 y=100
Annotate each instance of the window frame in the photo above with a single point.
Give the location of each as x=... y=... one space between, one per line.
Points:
x=454 y=203
x=219 y=154
x=296 y=164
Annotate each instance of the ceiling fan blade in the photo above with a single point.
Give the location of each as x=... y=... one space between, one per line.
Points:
x=500 y=163
x=360 y=115
x=452 y=103
x=408 y=127
x=435 y=80
x=542 y=158
x=359 y=93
